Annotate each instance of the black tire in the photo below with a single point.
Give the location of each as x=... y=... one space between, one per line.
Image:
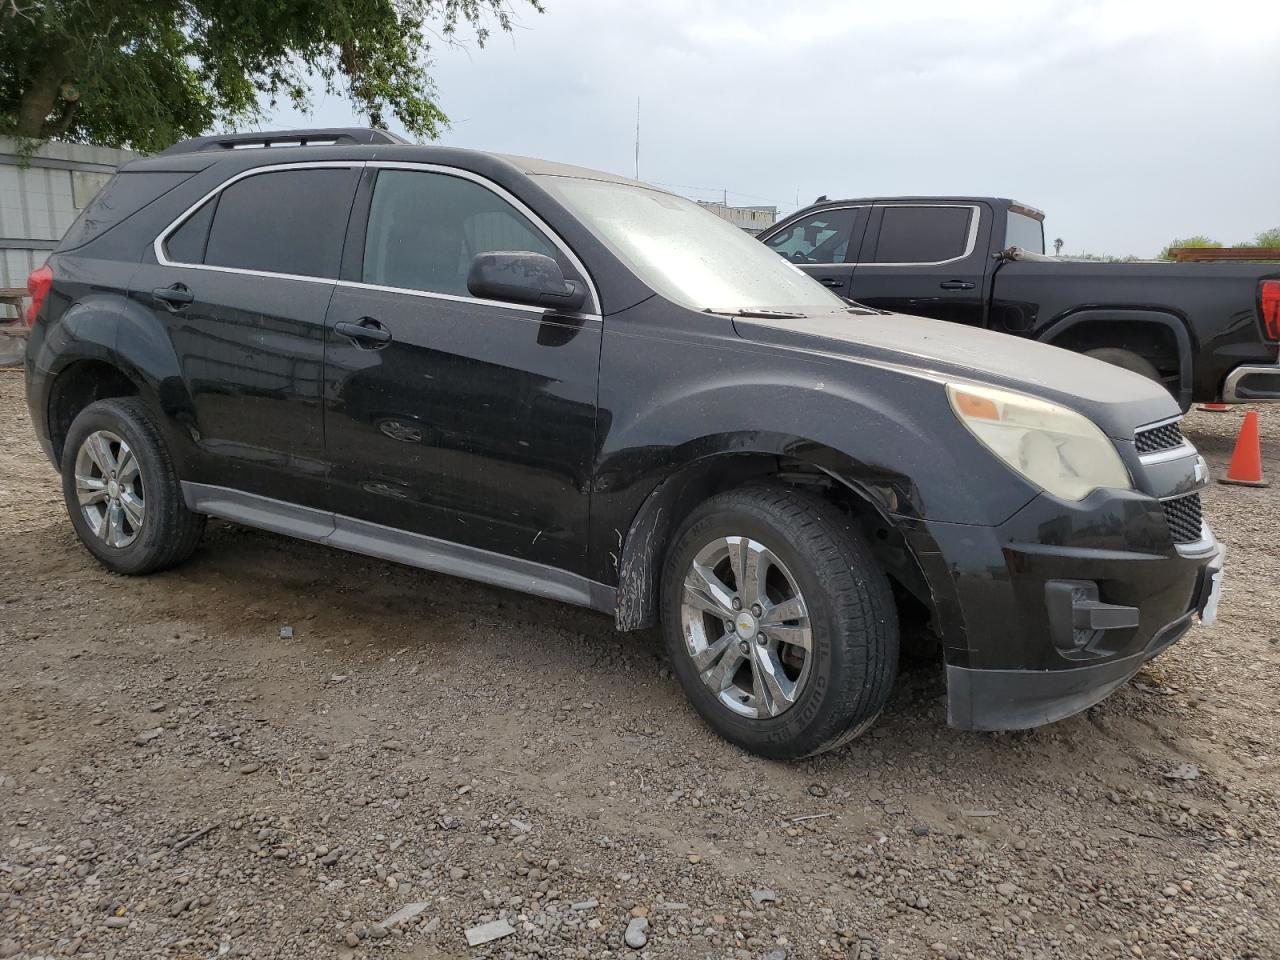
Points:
x=168 y=532
x=1128 y=360
x=852 y=618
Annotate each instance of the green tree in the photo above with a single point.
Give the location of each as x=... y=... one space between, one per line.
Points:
x=1196 y=241
x=1267 y=238
x=144 y=73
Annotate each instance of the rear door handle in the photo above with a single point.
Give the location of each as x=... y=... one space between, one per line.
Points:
x=956 y=285
x=367 y=332
x=831 y=281
x=173 y=298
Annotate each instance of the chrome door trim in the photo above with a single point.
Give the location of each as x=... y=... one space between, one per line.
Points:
x=164 y=261
x=157 y=245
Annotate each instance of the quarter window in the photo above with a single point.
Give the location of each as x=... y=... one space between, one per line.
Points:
x=923 y=234
x=821 y=237
x=286 y=221
x=426 y=228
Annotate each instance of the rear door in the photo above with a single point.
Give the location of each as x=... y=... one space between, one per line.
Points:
x=460 y=419
x=242 y=284
x=926 y=259
x=823 y=243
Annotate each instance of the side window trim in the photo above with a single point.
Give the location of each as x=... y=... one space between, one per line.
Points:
x=365 y=199
x=158 y=245
x=971 y=242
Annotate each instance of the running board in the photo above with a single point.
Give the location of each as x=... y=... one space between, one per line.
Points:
x=399 y=546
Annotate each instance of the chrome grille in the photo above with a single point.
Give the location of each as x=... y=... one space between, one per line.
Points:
x=1183 y=516
x=1164 y=437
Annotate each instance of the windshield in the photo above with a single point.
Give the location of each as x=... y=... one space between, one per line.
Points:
x=689 y=255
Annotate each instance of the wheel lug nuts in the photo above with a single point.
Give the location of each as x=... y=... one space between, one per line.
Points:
x=728 y=625
x=761 y=639
x=737 y=604
x=755 y=610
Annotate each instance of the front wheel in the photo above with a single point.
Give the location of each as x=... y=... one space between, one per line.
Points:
x=779 y=621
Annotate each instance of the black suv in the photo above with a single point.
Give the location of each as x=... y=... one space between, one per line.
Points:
x=579 y=386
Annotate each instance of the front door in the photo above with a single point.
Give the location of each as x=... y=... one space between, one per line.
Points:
x=824 y=244
x=461 y=419
x=242 y=287
x=926 y=259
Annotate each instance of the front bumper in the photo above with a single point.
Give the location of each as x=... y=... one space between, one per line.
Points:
x=994 y=699
x=1047 y=613
x=1252 y=383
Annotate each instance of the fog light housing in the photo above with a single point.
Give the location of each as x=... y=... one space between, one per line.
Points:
x=1079 y=621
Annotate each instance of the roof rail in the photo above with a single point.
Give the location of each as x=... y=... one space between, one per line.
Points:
x=326 y=137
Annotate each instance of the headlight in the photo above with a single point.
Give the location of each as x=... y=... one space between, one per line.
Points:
x=1057 y=449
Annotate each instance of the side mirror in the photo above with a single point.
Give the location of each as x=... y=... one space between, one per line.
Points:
x=523 y=277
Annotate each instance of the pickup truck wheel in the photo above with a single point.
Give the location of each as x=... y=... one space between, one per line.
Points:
x=1128 y=360
x=121 y=490
x=779 y=622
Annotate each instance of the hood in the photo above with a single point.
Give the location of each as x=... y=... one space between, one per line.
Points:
x=1116 y=400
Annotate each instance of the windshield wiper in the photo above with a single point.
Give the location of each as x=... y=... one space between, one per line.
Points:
x=762 y=314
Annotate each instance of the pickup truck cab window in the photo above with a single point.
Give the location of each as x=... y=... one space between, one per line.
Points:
x=1023 y=232
x=822 y=237
x=924 y=234
x=426 y=228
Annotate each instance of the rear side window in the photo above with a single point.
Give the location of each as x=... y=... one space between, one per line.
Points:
x=923 y=234
x=125 y=194
x=426 y=228
x=187 y=243
x=285 y=221
x=821 y=237
x=1025 y=233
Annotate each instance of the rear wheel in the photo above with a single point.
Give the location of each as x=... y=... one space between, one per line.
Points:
x=779 y=622
x=121 y=491
x=1128 y=360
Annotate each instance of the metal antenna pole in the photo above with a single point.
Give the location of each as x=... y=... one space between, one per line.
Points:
x=637 y=138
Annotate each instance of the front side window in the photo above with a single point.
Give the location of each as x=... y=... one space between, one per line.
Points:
x=821 y=237
x=1025 y=233
x=923 y=234
x=687 y=254
x=284 y=221
x=426 y=228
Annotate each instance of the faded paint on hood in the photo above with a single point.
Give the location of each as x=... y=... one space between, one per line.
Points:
x=1117 y=400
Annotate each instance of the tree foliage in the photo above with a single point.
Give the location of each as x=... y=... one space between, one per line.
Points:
x=144 y=73
x=1196 y=241
x=1267 y=238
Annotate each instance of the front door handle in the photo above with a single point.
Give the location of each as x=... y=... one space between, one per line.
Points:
x=956 y=285
x=367 y=333
x=831 y=281
x=173 y=298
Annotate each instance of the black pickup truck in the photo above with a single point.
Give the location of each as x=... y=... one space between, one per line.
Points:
x=1207 y=331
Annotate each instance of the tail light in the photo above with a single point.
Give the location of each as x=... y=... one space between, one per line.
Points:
x=1269 y=296
x=38 y=285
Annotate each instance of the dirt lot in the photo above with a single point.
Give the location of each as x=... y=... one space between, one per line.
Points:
x=180 y=779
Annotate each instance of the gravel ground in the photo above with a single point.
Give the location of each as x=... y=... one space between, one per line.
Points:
x=183 y=777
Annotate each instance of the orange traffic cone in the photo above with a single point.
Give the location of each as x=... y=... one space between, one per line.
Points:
x=1214 y=407
x=1246 y=461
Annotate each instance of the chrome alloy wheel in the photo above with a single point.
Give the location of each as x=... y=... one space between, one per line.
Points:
x=109 y=488
x=746 y=627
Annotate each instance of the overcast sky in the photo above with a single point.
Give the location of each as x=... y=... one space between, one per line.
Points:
x=1130 y=122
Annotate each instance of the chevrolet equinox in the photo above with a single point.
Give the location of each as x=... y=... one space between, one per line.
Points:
x=576 y=385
